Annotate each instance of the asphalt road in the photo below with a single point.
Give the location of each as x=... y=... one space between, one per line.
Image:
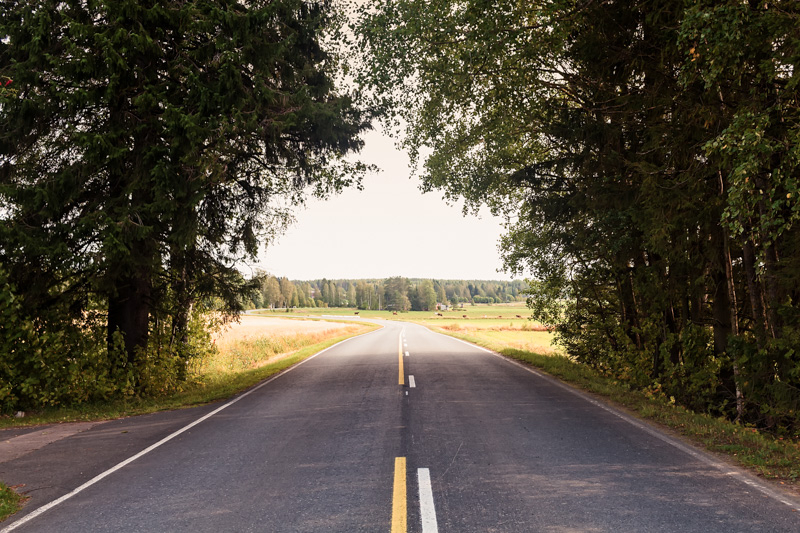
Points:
x=468 y=442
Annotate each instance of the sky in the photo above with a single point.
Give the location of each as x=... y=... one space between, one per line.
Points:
x=388 y=229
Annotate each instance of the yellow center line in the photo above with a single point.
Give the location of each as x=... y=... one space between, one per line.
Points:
x=400 y=355
x=399 y=511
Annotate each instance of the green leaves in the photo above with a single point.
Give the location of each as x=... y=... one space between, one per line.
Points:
x=153 y=144
x=645 y=154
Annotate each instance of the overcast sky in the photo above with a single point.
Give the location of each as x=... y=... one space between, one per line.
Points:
x=388 y=229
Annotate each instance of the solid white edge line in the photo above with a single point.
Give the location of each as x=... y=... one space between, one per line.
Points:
x=702 y=456
x=411 y=383
x=33 y=514
x=427 y=511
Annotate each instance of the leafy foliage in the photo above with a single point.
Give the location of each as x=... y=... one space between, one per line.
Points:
x=148 y=146
x=645 y=154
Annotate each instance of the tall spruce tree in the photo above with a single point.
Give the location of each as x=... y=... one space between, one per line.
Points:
x=148 y=144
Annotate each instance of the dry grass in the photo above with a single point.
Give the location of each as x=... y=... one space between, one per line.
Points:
x=517 y=334
x=259 y=341
x=491 y=326
x=250 y=327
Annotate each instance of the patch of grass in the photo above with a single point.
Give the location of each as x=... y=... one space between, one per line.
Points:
x=244 y=354
x=768 y=456
x=495 y=312
x=10 y=502
x=235 y=368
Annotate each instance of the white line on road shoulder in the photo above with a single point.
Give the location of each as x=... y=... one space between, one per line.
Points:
x=741 y=475
x=99 y=477
x=427 y=511
x=411 y=383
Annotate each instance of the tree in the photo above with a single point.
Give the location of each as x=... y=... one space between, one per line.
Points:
x=337 y=294
x=441 y=297
x=287 y=291
x=271 y=291
x=426 y=296
x=396 y=294
x=149 y=142
x=324 y=291
x=304 y=292
x=644 y=153
x=362 y=295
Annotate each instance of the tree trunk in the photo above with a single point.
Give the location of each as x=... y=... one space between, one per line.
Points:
x=129 y=313
x=731 y=288
x=183 y=298
x=725 y=317
x=628 y=307
x=773 y=291
x=762 y=328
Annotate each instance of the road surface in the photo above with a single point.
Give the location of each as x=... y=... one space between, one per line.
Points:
x=397 y=430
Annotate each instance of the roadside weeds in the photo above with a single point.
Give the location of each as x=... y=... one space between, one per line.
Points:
x=10 y=501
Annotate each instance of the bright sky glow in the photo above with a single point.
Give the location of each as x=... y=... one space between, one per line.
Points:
x=388 y=229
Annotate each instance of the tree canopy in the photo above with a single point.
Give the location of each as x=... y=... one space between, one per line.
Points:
x=645 y=154
x=148 y=146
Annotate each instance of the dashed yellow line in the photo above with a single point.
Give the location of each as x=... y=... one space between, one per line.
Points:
x=399 y=510
x=400 y=358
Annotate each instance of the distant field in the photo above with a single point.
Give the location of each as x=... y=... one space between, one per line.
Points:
x=495 y=311
x=533 y=341
x=506 y=325
x=258 y=326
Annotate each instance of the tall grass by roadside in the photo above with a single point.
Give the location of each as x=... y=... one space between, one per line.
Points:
x=233 y=367
x=525 y=336
x=771 y=457
x=242 y=355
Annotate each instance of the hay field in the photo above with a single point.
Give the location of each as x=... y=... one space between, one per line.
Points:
x=256 y=341
x=250 y=327
x=522 y=335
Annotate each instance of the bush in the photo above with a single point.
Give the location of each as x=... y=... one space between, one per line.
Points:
x=48 y=360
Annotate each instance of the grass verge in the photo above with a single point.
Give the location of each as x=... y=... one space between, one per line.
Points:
x=773 y=458
x=10 y=501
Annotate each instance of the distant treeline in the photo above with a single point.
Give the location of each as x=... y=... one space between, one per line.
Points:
x=397 y=293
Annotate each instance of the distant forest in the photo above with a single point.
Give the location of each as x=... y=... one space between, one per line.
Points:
x=397 y=293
